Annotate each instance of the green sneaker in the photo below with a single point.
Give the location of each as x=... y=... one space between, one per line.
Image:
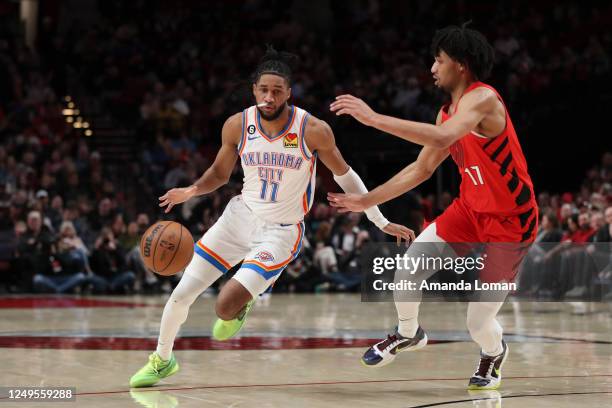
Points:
x=226 y=329
x=153 y=371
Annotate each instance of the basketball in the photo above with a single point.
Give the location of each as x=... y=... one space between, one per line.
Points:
x=166 y=247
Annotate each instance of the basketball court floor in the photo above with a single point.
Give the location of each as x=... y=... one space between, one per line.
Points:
x=302 y=351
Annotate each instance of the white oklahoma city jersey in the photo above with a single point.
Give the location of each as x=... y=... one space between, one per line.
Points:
x=279 y=171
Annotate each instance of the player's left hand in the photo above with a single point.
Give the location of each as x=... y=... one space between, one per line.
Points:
x=176 y=196
x=400 y=232
x=347 y=202
x=357 y=108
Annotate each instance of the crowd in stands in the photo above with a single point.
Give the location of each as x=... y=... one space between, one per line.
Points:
x=571 y=257
x=68 y=223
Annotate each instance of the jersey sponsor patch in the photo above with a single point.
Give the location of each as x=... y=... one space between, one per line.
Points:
x=264 y=256
x=291 y=141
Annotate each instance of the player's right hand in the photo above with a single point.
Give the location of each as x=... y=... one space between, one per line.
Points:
x=176 y=196
x=357 y=108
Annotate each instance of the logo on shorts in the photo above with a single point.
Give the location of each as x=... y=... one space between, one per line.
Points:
x=291 y=141
x=264 y=256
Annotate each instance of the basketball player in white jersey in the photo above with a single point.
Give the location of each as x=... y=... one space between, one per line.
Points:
x=278 y=146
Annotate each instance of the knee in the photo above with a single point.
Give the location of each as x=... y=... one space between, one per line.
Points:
x=474 y=324
x=233 y=297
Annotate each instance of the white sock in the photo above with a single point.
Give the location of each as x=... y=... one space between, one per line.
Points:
x=407 y=313
x=428 y=242
x=181 y=299
x=484 y=328
x=496 y=352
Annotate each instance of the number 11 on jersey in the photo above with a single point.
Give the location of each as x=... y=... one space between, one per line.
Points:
x=478 y=175
x=264 y=189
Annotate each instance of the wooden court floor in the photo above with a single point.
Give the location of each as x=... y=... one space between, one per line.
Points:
x=302 y=351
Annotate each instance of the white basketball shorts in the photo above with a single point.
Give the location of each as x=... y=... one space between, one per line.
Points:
x=265 y=247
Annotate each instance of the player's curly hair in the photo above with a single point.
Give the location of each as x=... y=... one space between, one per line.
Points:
x=465 y=46
x=277 y=63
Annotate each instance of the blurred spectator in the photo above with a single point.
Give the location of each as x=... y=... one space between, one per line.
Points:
x=35 y=247
x=601 y=251
x=597 y=221
x=539 y=267
x=130 y=238
x=42 y=205
x=324 y=255
x=604 y=233
x=103 y=216
x=37 y=252
x=145 y=280
x=579 y=228
x=340 y=265
x=118 y=226
x=108 y=264
x=55 y=212
x=71 y=250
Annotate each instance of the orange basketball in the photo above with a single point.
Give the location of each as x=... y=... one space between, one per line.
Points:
x=166 y=247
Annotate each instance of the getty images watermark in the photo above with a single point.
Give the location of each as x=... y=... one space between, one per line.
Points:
x=412 y=264
x=485 y=272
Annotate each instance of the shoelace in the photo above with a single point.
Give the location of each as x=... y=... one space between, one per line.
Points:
x=388 y=343
x=155 y=363
x=485 y=366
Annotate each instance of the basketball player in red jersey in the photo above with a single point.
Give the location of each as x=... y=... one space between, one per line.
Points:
x=496 y=202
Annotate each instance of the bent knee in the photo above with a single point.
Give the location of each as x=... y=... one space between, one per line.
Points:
x=474 y=324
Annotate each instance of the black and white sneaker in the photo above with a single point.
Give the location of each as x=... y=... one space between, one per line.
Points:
x=488 y=373
x=384 y=352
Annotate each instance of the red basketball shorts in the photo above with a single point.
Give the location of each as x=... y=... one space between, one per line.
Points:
x=507 y=238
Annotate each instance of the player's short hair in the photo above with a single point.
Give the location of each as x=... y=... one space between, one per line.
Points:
x=465 y=46
x=276 y=63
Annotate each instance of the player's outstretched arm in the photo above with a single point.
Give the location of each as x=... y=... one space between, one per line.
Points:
x=472 y=110
x=320 y=138
x=217 y=174
x=411 y=176
x=407 y=179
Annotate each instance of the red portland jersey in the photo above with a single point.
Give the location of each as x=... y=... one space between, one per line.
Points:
x=494 y=177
